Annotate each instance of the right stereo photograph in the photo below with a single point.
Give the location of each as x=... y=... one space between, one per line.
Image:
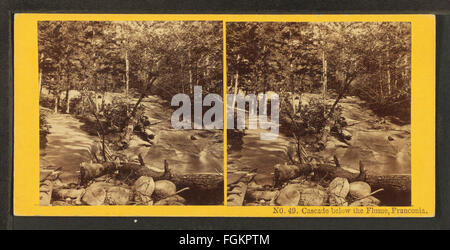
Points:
x=318 y=113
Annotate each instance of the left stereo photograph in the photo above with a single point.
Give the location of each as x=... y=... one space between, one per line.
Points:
x=111 y=132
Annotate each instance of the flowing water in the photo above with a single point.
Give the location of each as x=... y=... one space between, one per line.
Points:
x=382 y=146
x=187 y=151
x=67 y=146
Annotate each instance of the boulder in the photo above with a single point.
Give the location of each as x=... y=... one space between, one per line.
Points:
x=95 y=194
x=313 y=197
x=174 y=200
x=339 y=187
x=289 y=195
x=143 y=200
x=336 y=200
x=144 y=186
x=254 y=186
x=347 y=135
x=72 y=193
x=359 y=189
x=366 y=202
x=256 y=195
x=164 y=188
x=118 y=196
x=60 y=204
x=150 y=134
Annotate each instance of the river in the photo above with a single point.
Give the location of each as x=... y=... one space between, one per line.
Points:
x=187 y=151
x=381 y=145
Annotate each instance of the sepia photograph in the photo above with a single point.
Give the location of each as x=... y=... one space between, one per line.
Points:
x=320 y=113
x=109 y=133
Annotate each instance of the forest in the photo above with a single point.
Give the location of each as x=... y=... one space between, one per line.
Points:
x=143 y=57
x=106 y=137
x=106 y=86
x=369 y=60
x=345 y=96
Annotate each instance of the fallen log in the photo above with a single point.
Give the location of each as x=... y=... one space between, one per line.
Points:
x=89 y=171
x=132 y=171
x=390 y=183
x=237 y=194
x=283 y=173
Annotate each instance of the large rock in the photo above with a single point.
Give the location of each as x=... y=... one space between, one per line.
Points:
x=95 y=194
x=70 y=194
x=313 y=197
x=174 y=200
x=164 y=188
x=289 y=195
x=118 y=196
x=45 y=193
x=366 y=202
x=346 y=134
x=337 y=201
x=359 y=189
x=60 y=204
x=257 y=195
x=144 y=186
x=339 y=187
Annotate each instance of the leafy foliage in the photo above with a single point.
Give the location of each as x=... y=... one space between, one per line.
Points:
x=368 y=59
x=44 y=129
x=164 y=57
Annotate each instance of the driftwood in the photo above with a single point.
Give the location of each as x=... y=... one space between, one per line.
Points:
x=90 y=171
x=394 y=183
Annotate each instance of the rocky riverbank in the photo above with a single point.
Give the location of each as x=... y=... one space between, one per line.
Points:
x=381 y=144
x=149 y=171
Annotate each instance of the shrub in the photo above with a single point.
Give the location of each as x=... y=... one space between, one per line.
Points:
x=313 y=116
x=116 y=114
x=311 y=120
x=44 y=129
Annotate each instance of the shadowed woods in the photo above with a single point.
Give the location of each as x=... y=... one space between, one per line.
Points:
x=345 y=137
x=106 y=136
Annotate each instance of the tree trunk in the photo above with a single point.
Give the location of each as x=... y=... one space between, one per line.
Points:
x=56 y=103
x=394 y=183
x=191 y=91
x=68 y=100
x=347 y=81
x=389 y=82
x=89 y=171
x=380 y=82
x=132 y=121
x=127 y=69
x=191 y=88
x=236 y=85
x=40 y=82
x=324 y=76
